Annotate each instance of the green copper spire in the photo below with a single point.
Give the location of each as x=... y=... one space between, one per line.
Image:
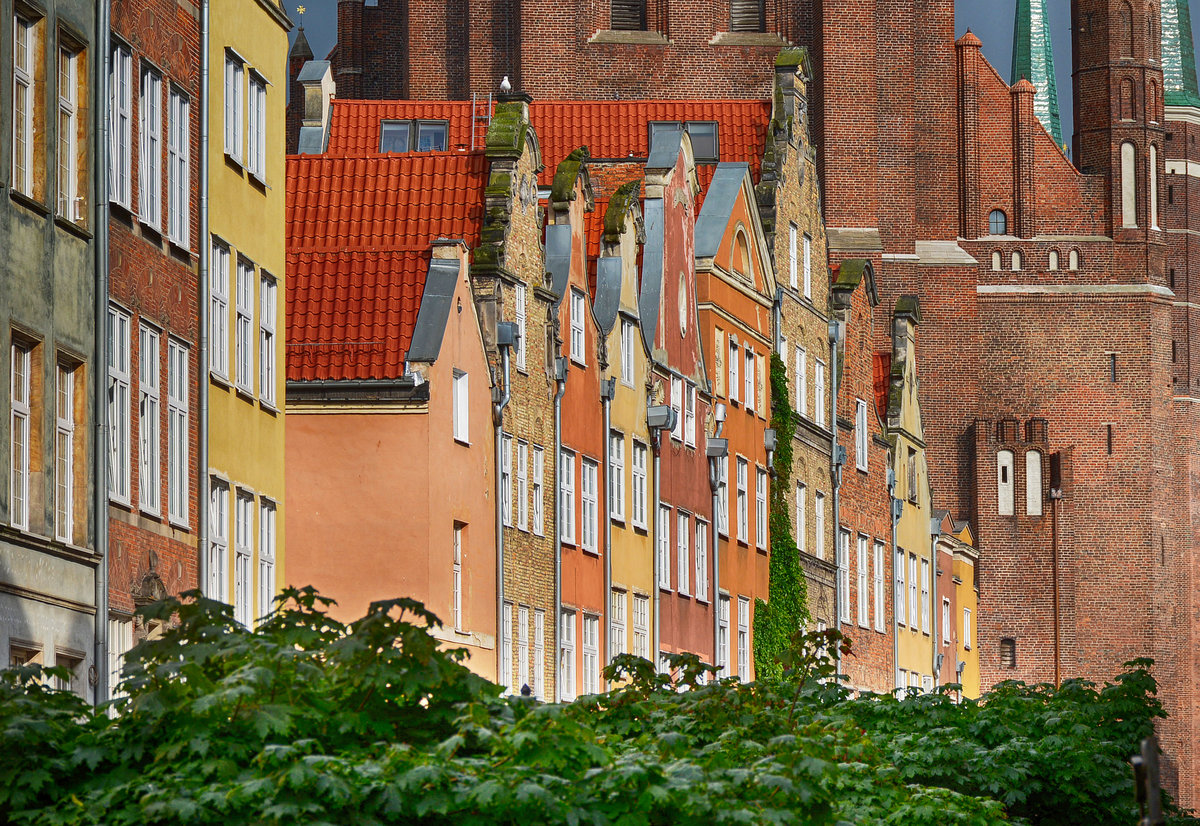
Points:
x=1178 y=54
x=1033 y=59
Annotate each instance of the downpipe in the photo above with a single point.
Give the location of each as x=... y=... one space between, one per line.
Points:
x=498 y=422
x=99 y=383
x=606 y=395
x=560 y=371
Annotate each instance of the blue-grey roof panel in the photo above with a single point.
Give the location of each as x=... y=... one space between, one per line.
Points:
x=718 y=207
x=440 y=285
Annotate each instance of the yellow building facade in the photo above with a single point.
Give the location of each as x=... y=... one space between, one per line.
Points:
x=245 y=302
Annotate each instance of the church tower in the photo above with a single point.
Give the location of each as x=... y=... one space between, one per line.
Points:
x=1033 y=59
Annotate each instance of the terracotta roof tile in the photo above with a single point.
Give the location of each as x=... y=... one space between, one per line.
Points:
x=354 y=124
x=881 y=372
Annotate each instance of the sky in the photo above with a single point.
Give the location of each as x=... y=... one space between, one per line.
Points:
x=990 y=20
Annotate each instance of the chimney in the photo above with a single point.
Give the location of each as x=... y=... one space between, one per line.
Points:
x=316 y=79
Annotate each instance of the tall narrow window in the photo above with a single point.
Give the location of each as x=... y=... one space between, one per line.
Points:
x=266 y=556
x=118 y=404
x=1004 y=482
x=148 y=418
x=616 y=476
x=733 y=371
x=723 y=496
x=760 y=509
x=843 y=575
x=1033 y=483
x=266 y=339
x=628 y=15
x=701 y=560
x=120 y=166
x=1128 y=185
x=793 y=257
x=150 y=146
x=996 y=261
x=64 y=454
x=218 y=351
x=256 y=137
x=456 y=575
x=234 y=86
x=616 y=623
x=743 y=504
x=566 y=495
x=683 y=555
x=914 y=607
x=24 y=102
x=878 y=571
x=179 y=186
x=1008 y=652
x=819 y=524
x=946 y=619
x=1152 y=175
x=578 y=311
x=461 y=408
x=506 y=646
x=22 y=415
x=519 y=312
x=925 y=583
x=807 y=266
x=243 y=551
x=538 y=683
x=628 y=330
x=639 y=484
x=864 y=617
x=819 y=392
x=218 y=540
x=802 y=381
x=689 y=414
x=860 y=434
x=69 y=204
x=523 y=485
x=899 y=596
x=1073 y=260
x=539 y=475
x=1017 y=261
x=1052 y=263
x=663 y=546
x=591 y=654
x=522 y=647
x=746 y=15
x=243 y=333
x=748 y=379
x=641 y=626
x=801 y=517
x=743 y=639
x=677 y=407
x=723 y=636
x=506 y=475
x=566 y=655
x=966 y=637
x=589 y=493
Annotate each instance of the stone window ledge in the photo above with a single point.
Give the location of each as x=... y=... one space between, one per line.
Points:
x=748 y=39
x=629 y=37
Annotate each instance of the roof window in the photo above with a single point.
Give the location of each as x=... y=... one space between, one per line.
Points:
x=705 y=148
x=413 y=135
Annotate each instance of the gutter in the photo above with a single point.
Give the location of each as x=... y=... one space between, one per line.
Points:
x=560 y=378
x=896 y=506
x=202 y=492
x=498 y=419
x=100 y=384
x=656 y=443
x=836 y=333
x=607 y=389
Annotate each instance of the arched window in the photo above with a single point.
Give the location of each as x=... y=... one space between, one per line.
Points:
x=1033 y=483
x=1054 y=259
x=1016 y=261
x=1073 y=260
x=996 y=261
x=1004 y=482
x=1152 y=174
x=1127 y=99
x=1154 y=40
x=1125 y=30
x=998 y=222
x=1008 y=652
x=1152 y=102
x=1128 y=185
x=741 y=255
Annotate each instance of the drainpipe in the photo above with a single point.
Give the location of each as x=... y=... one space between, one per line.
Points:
x=560 y=378
x=837 y=333
x=897 y=506
x=658 y=418
x=607 y=388
x=498 y=419
x=100 y=384
x=1055 y=497
x=202 y=278
x=718 y=449
x=934 y=605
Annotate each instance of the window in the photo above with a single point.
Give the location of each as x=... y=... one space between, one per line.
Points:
x=179 y=185
x=945 y=621
x=783 y=351
x=120 y=167
x=266 y=340
x=748 y=378
x=701 y=560
x=819 y=393
x=627 y=333
x=118 y=404
x=628 y=15
x=616 y=623
x=218 y=352
x=997 y=222
x=683 y=554
x=703 y=135
x=394 y=135
x=243 y=332
x=1033 y=483
x=802 y=381
x=589 y=501
x=460 y=414
x=566 y=495
x=413 y=136
x=456 y=575
x=266 y=556
x=22 y=416
x=860 y=434
x=966 y=633
x=591 y=654
x=25 y=101
x=519 y=306
x=566 y=655
x=578 y=307
x=663 y=532
x=898 y=573
x=243 y=550
x=539 y=474
x=743 y=639
x=864 y=618
x=997 y=264
x=234 y=85
x=1053 y=260
x=64 y=454
x=616 y=475
x=723 y=496
x=925 y=596
x=218 y=540
x=506 y=475
x=723 y=636
x=1004 y=482
x=522 y=647
x=843 y=575
x=689 y=415
x=1008 y=652
x=1017 y=261
x=256 y=138
x=1073 y=260
x=793 y=259
x=506 y=647
x=70 y=204
x=538 y=684
x=677 y=407
x=641 y=626
x=760 y=509
x=801 y=517
x=120 y=640
x=878 y=571
x=523 y=485
x=1128 y=185
x=431 y=136
x=807 y=266
x=148 y=419
x=150 y=149
x=819 y=519
x=913 y=605
x=743 y=517
x=733 y=371
x=746 y=15
x=639 y=484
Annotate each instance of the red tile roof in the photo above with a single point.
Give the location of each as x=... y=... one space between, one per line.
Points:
x=354 y=124
x=351 y=313
x=881 y=373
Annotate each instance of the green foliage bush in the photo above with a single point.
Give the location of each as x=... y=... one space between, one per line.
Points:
x=310 y=721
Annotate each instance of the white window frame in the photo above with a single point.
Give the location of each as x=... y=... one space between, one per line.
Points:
x=743 y=500
x=640 y=455
x=616 y=623
x=218 y=351
x=701 y=560
x=25 y=70
x=723 y=635
x=864 y=614
x=539 y=482
x=589 y=503
x=801 y=517
x=760 y=509
x=925 y=585
x=616 y=476
x=266 y=556
x=522 y=485
x=591 y=654
x=677 y=406
x=460 y=403
x=506 y=647
x=256 y=133
x=179 y=186
x=566 y=495
x=267 y=356
x=641 y=626
x=538 y=683
x=748 y=393
x=860 y=434
x=150 y=148
x=519 y=312
x=819 y=393
x=807 y=266
x=689 y=414
x=243 y=549
x=819 y=519
x=522 y=647
x=627 y=343
x=21 y=430
x=243 y=340
x=733 y=370
x=456 y=574
x=663 y=546
x=149 y=417
x=119 y=404
x=792 y=256
x=913 y=606
x=946 y=617
x=217 y=586
x=879 y=552
x=566 y=655
x=966 y=638
x=723 y=496
x=578 y=337
x=235 y=70
x=506 y=479
x=901 y=588
x=743 y=639
x=802 y=381
x=120 y=167
x=843 y=575
x=68 y=134
x=683 y=552
x=64 y=453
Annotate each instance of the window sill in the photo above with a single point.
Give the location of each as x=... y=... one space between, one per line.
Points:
x=760 y=549
x=234 y=161
x=155 y=516
x=29 y=201
x=617 y=519
x=220 y=379
x=268 y=407
x=259 y=182
x=151 y=230
x=462 y=442
x=666 y=589
x=180 y=249
x=74 y=228
x=244 y=393
x=179 y=524
x=591 y=551
x=123 y=504
x=629 y=37
x=748 y=39
x=578 y=363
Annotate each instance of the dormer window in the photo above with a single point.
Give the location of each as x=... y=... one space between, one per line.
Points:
x=413 y=135
x=702 y=132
